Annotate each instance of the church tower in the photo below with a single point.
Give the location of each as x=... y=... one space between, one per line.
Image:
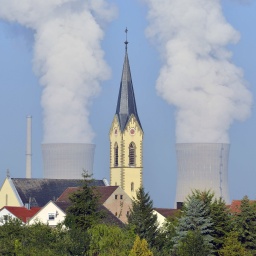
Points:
x=126 y=137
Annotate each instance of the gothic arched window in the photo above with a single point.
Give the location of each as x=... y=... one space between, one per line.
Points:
x=132 y=154
x=116 y=155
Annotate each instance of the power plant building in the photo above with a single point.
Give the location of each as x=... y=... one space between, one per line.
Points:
x=67 y=160
x=202 y=166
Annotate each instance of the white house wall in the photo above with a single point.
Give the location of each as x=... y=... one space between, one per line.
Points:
x=46 y=213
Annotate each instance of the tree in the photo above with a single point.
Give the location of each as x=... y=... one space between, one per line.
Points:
x=108 y=240
x=246 y=224
x=233 y=247
x=84 y=211
x=192 y=244
x=140 y=248
x=142 y=219
x=195 y=218
x=220 y=215
x=222 y=222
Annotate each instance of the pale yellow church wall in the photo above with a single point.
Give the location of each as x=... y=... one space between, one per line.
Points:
x=8 y=197
x=136 y=138
x=132 y=175
x=124 y=174
x=115 y=179
x=115 y=136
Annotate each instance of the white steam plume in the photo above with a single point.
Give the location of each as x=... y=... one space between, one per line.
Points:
x=68 y=59
x=198 y=77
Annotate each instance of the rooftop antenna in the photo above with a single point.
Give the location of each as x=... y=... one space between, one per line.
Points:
x=8 y=173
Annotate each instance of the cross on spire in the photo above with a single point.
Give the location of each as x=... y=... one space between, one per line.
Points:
x=126 y=42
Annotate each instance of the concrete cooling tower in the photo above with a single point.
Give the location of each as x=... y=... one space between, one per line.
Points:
x=67 y=160
x=202 y=166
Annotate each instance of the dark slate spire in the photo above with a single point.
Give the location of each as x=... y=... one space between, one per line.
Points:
x=126 y=104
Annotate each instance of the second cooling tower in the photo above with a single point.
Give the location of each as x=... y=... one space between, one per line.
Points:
x=202 y=166
x=67 y=160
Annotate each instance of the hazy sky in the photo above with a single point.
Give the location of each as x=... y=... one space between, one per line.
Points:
x=20 y=95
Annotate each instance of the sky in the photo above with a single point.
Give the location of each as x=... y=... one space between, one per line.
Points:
x=21 y=91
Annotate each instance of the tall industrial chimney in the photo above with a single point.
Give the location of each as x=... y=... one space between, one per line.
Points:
x=67 y=160
x=202 y=166
x=29 y=147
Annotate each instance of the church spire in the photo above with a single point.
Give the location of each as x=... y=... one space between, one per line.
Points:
x=126 y=104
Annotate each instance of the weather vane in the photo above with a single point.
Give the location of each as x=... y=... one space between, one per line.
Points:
x=126 y=42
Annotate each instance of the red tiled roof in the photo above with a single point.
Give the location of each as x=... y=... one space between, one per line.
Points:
x=22 y=212
x=104 y=193
x=235 y=206
x=166 y=212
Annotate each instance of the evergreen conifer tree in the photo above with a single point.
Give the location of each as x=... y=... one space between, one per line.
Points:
x=246 y=224
x=84 y=211
x=142 y=219
x=192 y=245
x=195 y=218
x=220 y=215
x=233 y=247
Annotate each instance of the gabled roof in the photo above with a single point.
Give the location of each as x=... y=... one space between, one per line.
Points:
x=166 y=212
x=104 y=193
x=126 y=104
x=39 y=192
x=22 y=212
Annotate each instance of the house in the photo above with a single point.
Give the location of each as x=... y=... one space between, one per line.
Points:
x=36 y=192
x=114 y=198
x=13 y=212
x=52 y=214
x=163 y=213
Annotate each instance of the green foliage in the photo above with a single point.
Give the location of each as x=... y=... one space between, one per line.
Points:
x=140 y=248
x=39 y=239
x=166 y=235
x=246 y=224
x=222 y=222
x=195 y=218
x=220 y=215
x=108 y=240
x=193 y=244
x=233 y=247
x=85 y=209
x=142 y=219
x=9 y=233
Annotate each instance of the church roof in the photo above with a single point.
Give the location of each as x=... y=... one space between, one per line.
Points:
x=126 y=104
x=39 y=192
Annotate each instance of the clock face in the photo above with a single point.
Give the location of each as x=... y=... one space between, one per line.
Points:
x=132 y=131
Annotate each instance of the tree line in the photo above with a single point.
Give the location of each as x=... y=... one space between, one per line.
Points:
x=205 y=226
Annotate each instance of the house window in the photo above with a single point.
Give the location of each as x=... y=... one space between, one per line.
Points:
x=115 y=196
x=121 y=196
x=116 y=155
x=132 y=186
x=132 y=154
x=51 y=216
x=6 y=217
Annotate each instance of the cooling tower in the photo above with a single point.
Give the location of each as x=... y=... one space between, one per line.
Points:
x=67 y=160
x=202 y=166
